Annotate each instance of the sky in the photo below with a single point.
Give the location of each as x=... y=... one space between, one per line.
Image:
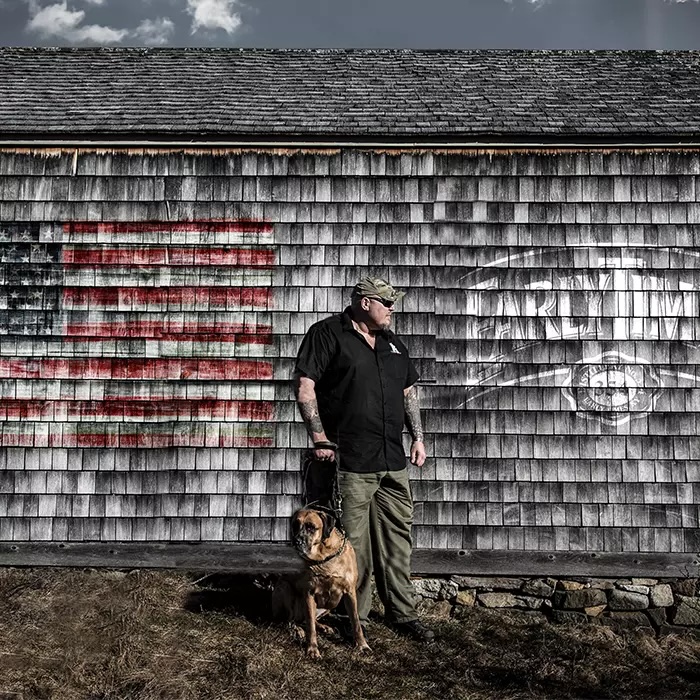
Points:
x=439 y=24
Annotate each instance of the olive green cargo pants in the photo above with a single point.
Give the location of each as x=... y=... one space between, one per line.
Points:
x=377 y=516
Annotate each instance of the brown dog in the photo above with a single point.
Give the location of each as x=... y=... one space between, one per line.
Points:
x=330 y=574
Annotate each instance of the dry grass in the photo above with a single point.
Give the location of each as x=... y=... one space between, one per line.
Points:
x=145 y=635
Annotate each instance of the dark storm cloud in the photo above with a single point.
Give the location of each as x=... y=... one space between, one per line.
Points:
x=582 y=24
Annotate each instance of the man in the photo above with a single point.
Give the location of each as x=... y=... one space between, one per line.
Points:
x=355 y=386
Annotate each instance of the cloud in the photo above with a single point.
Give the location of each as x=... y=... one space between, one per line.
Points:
x=214 y=14
x=64 y=22
x=154 y=32
x=58 y=21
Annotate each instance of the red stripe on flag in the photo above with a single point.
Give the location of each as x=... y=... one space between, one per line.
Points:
x=173 y=330
x=225 y=297
x=152 y=368
x=237 y=225
x=181 y=409
x=168 y=255
x=222 y=338
x=141 y=439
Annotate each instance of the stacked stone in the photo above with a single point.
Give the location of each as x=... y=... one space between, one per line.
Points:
x=660 y=606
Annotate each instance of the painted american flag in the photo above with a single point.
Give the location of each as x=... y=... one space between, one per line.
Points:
x=151 y=334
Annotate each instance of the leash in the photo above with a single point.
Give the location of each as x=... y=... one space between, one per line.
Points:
x=335 y=503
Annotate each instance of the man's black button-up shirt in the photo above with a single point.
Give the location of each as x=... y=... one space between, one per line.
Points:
x=359 y=391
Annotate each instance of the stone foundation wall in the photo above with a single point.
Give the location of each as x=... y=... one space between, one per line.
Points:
x=657 y=606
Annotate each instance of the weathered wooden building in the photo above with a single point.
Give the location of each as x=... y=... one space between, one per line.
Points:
x=171 y=222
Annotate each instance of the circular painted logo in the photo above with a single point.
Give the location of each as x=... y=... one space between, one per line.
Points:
x=612 y=388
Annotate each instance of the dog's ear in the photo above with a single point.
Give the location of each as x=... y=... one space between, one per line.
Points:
x=328 y=524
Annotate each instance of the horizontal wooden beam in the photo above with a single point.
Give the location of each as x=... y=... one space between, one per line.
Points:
x=206 y=556
x=555 y=564
x=264 y=557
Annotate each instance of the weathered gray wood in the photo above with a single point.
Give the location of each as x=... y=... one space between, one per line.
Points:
x=280 y=558
x=543 y=563
x=495 y=250
x=244 y=558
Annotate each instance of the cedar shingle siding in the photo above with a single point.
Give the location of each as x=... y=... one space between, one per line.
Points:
x=522 y=285
x=553 y=303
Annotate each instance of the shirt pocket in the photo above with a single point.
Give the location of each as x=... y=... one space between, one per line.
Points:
x=396 y=368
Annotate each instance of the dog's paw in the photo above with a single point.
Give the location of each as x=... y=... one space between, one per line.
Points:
x=325 y=629
x=363 y=647
x=313 y=653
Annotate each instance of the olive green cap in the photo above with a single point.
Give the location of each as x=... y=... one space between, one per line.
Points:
x=376 y=287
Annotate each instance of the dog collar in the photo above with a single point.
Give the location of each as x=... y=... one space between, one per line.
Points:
x=315 y=562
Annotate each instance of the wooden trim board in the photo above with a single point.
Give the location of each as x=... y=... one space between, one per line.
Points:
x=280 y=558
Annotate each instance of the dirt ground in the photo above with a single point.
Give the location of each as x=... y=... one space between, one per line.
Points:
x=100 y=635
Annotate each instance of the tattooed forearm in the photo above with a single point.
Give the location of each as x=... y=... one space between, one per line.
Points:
x=412 y=411
x=309 y=412
x=308 y=407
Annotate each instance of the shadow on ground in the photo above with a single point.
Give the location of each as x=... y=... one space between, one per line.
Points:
x=247 y=596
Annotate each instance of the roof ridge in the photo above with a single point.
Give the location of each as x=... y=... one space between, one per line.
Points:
x=340 y=51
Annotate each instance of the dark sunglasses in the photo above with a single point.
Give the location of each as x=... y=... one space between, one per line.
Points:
x=384 y=302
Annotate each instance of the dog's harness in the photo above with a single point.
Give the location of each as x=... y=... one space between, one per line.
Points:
x=335 y=499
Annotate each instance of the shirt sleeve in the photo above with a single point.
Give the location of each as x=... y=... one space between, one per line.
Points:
x=315 y=353
x=412 y=375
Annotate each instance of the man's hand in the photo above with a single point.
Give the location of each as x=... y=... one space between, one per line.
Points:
x=418 y=453
x=324 y=455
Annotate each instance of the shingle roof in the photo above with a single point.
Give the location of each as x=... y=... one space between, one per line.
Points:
x=351 y=94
